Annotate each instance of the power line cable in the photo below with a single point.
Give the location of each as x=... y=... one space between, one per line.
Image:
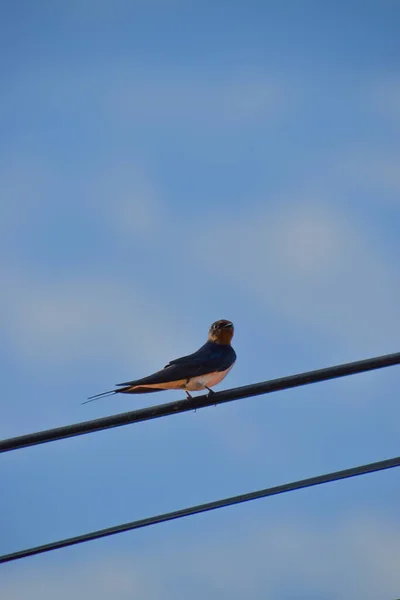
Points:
x=200 y=508
x=179 y=406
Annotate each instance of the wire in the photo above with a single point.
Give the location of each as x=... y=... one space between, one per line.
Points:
x=179 y=406
x=200 y=508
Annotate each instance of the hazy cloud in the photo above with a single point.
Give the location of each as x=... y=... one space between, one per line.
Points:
x=314 y=265
x=385 y=96
x=125 y=95
x=376 y=171
x=58 y=319
x=356 y=557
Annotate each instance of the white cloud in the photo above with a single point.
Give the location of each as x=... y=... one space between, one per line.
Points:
x=130 y=95
x=220 y=101
x=27 y=189
x=313 y=265
x=129 y=201
x=374 y=170
x=70 y=318
x=356 y=557
x=385 y=96
x=119 y=196
x=53 y=318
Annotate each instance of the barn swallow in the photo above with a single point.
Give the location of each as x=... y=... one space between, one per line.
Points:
x=198 y=371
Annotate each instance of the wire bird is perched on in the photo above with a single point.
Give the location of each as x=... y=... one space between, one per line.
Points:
x=198 y=371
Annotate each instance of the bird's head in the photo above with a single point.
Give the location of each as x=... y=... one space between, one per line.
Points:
x=221 y=332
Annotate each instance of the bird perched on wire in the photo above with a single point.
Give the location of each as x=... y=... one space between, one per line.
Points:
x=198 y=371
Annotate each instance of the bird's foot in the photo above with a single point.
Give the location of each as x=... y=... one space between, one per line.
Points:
x=210 y=393
x=189 y=397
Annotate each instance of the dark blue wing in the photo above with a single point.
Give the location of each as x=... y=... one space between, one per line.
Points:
x=210 y=358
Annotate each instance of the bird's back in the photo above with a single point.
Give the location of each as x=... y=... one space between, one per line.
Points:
x=210 y=358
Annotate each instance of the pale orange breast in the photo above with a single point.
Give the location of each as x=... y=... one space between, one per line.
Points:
x=203 y=381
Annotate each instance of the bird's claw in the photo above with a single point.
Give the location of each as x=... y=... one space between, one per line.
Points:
x=210 y=393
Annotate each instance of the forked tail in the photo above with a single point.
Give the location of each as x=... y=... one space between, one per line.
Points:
x=105 y=394
x=129 y=389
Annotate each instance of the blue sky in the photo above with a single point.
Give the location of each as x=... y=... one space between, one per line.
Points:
x=164 y=165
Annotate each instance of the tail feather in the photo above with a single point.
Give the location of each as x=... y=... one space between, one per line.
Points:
x=140 y=389
x=126 y=390
x=97 y=396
